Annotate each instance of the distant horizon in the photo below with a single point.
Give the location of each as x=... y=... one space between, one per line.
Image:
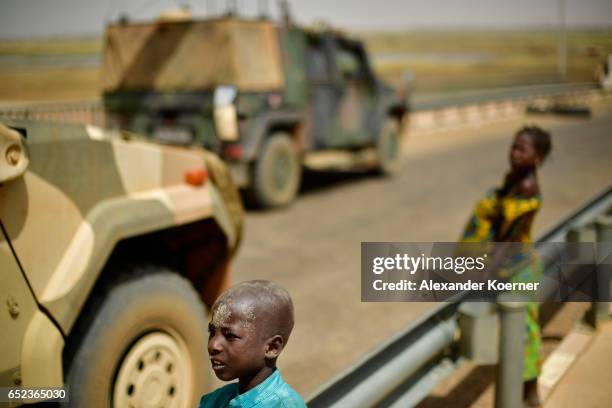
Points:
x=358 y=30
x=35 y=19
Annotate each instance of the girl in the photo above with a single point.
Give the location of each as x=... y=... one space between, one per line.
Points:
x=506 y=215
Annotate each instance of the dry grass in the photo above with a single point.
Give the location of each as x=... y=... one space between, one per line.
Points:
x=51 y=46
x=509 y=58
x=58 y=84
x=24 y=80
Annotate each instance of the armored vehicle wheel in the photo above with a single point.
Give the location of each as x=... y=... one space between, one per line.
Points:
x=388 y=148
x=144 y=346
x=277 y=172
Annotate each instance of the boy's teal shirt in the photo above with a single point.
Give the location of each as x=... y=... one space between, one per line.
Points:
x=272 y=392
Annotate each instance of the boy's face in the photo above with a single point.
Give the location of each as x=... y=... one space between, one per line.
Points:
x=235 y=345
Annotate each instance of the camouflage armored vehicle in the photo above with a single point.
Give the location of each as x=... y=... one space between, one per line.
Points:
x=265 y=97
x=110 y=246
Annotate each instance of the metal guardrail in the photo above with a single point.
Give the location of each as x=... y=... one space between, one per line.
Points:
x=477 y=96
x=403 y=370
x=92 y=112
x=581 y=216
x=395 y=365
x=89 y=112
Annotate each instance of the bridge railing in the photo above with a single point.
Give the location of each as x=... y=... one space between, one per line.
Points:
x=403 y=371
x=89 y=112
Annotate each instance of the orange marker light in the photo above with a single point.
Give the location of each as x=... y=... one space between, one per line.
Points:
x=196 y=177
x=233 y=151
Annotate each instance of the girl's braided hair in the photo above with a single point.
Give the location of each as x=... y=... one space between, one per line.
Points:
x=541 y=139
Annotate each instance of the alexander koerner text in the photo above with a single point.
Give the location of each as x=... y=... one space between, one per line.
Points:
x=491 y=284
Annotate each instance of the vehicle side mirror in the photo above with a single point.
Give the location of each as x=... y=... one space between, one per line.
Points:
x=405 y=89
x=14 y=158
x=408 y=78
x=347 y=66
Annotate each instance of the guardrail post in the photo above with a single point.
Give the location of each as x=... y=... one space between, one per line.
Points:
x=479 y=323
x=600 y=310
x=509 y=384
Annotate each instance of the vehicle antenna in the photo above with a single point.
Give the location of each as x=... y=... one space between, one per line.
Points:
x=110 y=9
x=262 y=6
x=285 y=11
x=211 y=7
x=232 y=7
x=184 y=5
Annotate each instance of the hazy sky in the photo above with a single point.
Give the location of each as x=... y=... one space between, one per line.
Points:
x=31 y=18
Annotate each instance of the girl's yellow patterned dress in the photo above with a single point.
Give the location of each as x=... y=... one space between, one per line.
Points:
x=509 y=219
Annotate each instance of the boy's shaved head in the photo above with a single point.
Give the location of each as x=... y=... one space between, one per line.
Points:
x=266 y=308
x=250 y=326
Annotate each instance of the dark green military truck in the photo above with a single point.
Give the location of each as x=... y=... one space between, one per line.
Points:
x=265 y=97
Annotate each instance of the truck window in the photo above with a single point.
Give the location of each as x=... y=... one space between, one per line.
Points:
x=347 y=63
x=317 y=63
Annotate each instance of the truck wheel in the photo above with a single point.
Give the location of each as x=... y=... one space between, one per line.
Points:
x=388 y=148
x=144 y=346
x=277 y=172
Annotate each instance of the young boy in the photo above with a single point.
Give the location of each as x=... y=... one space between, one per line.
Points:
x=250 y=326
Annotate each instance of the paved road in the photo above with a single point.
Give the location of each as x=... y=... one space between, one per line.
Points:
x=313 y=247
x=587 y=384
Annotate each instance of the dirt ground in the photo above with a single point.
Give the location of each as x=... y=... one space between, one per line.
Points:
x=313 y=247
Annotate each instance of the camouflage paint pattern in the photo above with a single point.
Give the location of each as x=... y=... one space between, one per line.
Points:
x=13 y=155
x=293 y=46
x=85 y=189
x=19 y=310
x=351 y=94
x=192 y=55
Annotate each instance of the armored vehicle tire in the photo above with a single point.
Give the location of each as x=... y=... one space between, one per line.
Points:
x=388 y=148
x=277 y=173
x=145 y=346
